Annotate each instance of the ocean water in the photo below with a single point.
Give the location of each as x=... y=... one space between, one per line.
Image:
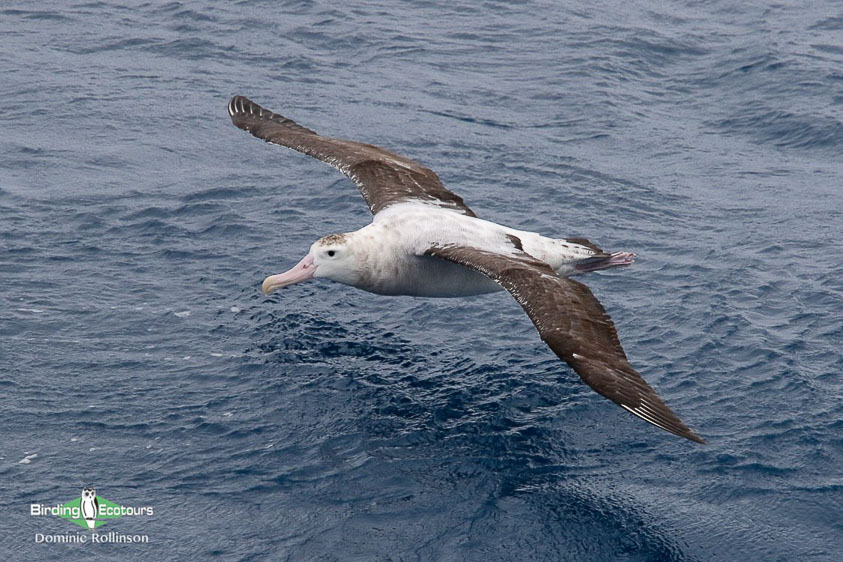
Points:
x=138 y=355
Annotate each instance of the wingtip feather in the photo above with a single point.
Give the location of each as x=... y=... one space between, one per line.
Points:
x=679 y=429
x=241 y=105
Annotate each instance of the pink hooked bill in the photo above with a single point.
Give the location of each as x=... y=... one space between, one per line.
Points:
x=302 y=271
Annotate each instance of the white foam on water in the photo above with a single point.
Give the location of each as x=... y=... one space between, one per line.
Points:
x=28 y=458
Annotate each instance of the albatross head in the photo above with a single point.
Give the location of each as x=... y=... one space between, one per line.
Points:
x=331 y=257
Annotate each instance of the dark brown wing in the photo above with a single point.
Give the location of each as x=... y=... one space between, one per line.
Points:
x=574 y=324
x=383 y=177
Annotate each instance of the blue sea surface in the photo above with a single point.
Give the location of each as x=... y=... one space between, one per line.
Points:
x=138 y=355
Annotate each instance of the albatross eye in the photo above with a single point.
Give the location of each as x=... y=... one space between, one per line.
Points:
x=331 y=253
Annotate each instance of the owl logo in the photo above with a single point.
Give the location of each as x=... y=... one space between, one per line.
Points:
x=90 y=506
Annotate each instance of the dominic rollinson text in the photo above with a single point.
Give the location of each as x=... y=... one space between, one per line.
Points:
x=95 y=538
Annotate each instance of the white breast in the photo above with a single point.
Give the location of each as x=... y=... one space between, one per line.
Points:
x=425 y=276
x=392 y=252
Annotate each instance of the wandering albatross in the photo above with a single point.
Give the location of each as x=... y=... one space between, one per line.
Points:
x=425 y=241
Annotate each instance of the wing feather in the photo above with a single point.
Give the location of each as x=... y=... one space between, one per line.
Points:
x=383 y=177
x=573 y=323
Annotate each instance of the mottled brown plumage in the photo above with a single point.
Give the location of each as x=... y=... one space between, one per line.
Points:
x=383 y=177
x=573 y=323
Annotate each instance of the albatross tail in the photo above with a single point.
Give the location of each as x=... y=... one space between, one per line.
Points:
x=596 y=263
